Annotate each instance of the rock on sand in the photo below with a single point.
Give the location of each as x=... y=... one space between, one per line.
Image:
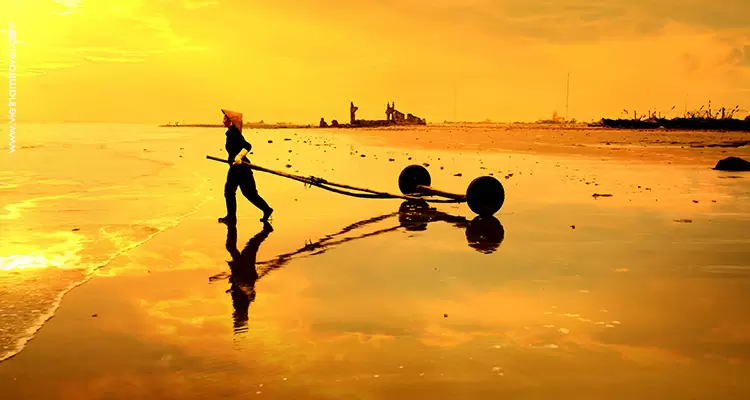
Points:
x=733 y=164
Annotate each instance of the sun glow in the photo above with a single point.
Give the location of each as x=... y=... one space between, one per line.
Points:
x=71 y=6
x=63 y=255
x=23 y=261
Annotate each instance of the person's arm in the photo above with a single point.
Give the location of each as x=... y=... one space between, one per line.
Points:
x=245 y=149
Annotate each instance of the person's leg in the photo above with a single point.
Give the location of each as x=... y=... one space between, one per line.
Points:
x=250 y=191
x=230 y=196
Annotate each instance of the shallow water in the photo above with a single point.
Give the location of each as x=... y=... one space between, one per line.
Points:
x=567 y=295
x=71 y=202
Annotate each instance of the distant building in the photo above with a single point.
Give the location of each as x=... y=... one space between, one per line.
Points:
x=398 y=118
x=556 y=119
x=392 y=117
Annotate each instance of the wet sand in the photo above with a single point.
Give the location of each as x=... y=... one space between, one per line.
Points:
x=646 y=146
x=642 y=294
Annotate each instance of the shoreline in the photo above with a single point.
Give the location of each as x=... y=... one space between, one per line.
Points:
x=654 y=147
x=245 y=125
x=585 y=126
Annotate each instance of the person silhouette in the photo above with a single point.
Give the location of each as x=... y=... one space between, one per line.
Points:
x=240 y=174
x=243 y=273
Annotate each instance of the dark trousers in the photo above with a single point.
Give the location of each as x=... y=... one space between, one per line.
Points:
x=242 y=176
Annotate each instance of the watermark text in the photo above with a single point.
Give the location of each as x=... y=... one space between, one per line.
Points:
x=12 y=116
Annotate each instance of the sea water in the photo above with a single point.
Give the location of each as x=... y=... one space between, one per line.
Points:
x=73 y=197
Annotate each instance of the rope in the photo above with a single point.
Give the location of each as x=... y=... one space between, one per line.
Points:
x=326 y=185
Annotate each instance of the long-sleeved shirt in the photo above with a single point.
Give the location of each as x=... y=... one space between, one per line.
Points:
x=235 y=143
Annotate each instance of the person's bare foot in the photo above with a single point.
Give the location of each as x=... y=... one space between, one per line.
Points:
x=267 y=215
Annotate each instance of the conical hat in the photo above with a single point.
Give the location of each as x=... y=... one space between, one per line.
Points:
x=235 y=117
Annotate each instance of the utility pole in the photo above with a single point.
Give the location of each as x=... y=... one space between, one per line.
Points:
x=454 y=102
x=685 y=104
x=567 y=97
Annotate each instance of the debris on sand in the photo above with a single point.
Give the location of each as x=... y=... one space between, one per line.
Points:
x=733 y=164
x=572 y=226
x=458 y=174
x=695 y=201
x=289 y=165
x=735 y=144
x=391 y=159
x=270 y=141
x=595 y=195
x=684 y=220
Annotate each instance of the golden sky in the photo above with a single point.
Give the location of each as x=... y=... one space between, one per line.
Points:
x=154 y=61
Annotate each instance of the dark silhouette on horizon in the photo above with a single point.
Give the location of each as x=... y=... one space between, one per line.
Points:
x=243 y=273
x=704 y=118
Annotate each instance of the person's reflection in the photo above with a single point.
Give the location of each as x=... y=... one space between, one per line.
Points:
x=483 y=234
x=243 y=273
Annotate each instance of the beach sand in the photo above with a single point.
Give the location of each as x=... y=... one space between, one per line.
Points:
x=641 y=294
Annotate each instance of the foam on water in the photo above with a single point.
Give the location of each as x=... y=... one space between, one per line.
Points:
x=33 y=285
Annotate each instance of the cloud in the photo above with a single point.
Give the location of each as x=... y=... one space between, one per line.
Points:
x=113 y=59
x=25 y=69
x=112 y=51
x=196 y=4
x=578 y=20
x=67 y=7
x=130 y=31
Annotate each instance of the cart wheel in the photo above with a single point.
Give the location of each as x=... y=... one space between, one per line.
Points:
x=411 y=177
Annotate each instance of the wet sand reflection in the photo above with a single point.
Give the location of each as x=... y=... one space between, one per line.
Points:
x=243 y=272
x=482 y=234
